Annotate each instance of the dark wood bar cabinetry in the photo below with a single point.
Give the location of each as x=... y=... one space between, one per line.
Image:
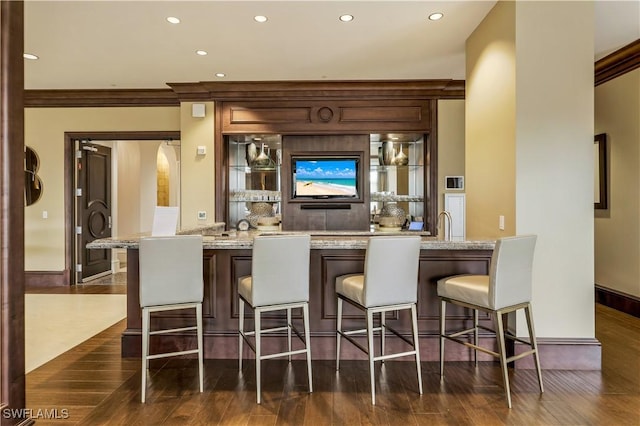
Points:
x=344 y=109
x=223 y=266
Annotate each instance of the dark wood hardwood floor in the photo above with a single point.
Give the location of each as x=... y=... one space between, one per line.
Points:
x=95 y=386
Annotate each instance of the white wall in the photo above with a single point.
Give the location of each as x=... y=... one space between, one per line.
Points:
x=554 y=159
x=172 y=153
x=128 y=212
x=551 y=150
x=137 y=186
x=148 y=183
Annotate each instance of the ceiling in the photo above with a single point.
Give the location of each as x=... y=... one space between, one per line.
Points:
x=129 y=44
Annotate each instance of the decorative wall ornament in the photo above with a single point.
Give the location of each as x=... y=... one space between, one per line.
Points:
x=600 y=196
x=32 y=182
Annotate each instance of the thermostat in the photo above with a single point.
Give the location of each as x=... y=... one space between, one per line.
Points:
x=454 y=182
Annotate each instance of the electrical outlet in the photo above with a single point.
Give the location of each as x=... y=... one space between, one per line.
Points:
x=501 y=222
x=202 y=215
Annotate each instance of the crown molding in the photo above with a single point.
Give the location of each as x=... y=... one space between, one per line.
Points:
x=100 y=98
x=298 y=90
x=254 y=90
x=618 y=63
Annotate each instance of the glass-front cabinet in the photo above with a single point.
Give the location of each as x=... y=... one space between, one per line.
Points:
x=254 y=180
x=396 y=178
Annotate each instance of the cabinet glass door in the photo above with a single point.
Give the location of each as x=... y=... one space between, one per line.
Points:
x=397 y=174
x=254 y=176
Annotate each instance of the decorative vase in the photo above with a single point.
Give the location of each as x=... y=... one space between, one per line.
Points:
x=391 y=209
x=380 y=160
x=387 y=153
x=252 y=153
x=401 y=159
x=262 y=160
x=258 y=210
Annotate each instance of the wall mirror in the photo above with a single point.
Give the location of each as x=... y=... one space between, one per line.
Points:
x=600 y=172
x=32 y=182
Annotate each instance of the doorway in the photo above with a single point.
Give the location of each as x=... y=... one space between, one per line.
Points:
x=74 y=250
x=93 y=209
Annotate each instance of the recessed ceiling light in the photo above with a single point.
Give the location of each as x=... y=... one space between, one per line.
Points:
x=173 y=20
x=30 y=56
x=436 y=16
x=220 y=74
x=260 y=18
x=201 y=52
x=346 y=18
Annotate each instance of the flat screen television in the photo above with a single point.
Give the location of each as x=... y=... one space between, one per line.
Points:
x=325 y=177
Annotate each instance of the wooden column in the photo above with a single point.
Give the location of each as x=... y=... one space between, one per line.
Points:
x=12 y=387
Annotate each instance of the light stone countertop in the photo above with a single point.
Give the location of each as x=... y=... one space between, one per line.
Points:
x=237 y=240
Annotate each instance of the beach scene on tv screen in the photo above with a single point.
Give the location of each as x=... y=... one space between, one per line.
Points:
x=332 y=178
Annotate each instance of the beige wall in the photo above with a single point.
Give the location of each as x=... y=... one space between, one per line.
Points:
x=44 y=131
x=450 y=143
x=127 y=202
x=197 y=171
x=617 y=229
x=450 y=148
x=490 y=124
x=529 y=153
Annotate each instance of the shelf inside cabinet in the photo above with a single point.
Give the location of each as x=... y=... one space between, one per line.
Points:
x=257 y=195
x=409 y=167
x=384 y=197
x=247 y=169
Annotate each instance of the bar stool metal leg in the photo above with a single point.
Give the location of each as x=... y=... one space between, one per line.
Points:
x=534 y=344
x=371 y=355
x=145 y=351
x=289 y=331
x=240 y=332
x=475 y=335
x=200 y=345
x=503 y=355
x=383 y=329
x=338 y=335
x=258 y=353
x=443 y=311
x=416 y=344
x=307 y=339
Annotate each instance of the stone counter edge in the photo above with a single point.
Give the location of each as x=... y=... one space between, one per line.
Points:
x=318 y=242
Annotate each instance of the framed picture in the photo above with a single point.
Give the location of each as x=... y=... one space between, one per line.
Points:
x=600 y=172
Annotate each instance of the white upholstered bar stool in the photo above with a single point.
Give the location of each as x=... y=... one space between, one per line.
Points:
x=279 y=280
x=170 y=279
x=506 y=289
x=389 y=283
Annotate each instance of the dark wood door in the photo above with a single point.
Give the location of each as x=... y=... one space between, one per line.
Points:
x=94 y=208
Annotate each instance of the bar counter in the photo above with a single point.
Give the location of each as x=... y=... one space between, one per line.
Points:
x=227 y=256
